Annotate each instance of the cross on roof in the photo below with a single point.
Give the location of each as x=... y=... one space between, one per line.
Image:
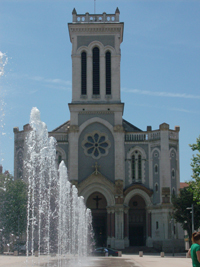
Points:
x=96 y=167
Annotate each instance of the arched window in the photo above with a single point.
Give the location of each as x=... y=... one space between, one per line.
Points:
x=156 y=168
x=173 y=191
x=108 y=73
x=136 y=167
x=133 y=167
x=139 y=167
x=173 y=173
x=83 y=73
x=156 y=187
x=96 y=75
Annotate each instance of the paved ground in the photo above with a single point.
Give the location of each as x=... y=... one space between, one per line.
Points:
x=124 y=261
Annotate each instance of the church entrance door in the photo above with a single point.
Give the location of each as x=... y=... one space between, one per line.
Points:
x=97 y=203
x=137 y=221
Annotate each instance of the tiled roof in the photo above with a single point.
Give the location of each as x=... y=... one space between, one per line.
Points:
x=62 y=128
x=128 y=127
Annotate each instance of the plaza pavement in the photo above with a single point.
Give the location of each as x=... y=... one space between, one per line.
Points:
x=124 y=261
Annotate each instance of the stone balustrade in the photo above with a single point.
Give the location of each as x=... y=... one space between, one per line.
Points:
x=154 y=135
x=59 y=137
x=173 y=135
x=136 y=137
x=92 y=18
x=149 y=136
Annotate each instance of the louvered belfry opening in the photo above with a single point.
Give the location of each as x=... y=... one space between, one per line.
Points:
x=96 y=80
x=83 y=73
x=133 y=167
x=108 y=73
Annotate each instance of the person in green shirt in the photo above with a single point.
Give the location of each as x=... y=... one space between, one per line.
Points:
x=194 y=251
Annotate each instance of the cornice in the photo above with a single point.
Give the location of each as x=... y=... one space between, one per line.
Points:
x=98 y=29
x=96 y=112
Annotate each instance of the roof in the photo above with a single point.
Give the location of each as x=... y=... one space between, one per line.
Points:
x=128 y=127
x=63 y=127
x=182 y=185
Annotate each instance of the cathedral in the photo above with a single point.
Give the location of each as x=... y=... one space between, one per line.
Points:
x=126 y=175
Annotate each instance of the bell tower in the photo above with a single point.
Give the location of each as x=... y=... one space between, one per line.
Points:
x=96 y=55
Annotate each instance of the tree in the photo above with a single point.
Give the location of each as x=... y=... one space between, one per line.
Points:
x=14 y=206
x=195 y=164
x=181 y=214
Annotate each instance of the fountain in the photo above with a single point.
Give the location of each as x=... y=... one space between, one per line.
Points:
x=3 y=62
x=58 y=222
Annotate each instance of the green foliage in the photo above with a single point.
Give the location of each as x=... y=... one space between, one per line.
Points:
x=181 y=214
x=13 y=206
x=195 y=164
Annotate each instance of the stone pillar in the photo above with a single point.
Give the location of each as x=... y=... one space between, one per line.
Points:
x=89 y=76
x=165 y=172
x=149 y=224
x=149 y=242
x=126 y=226
x=119 y=148
x=102 y=76
x=109 y=223
x=73 y=152
x=119 y=226
x=113 y=224
x=112 y=228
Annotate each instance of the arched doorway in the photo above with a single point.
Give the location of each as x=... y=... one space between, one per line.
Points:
x=97 y=203
x=137 y=221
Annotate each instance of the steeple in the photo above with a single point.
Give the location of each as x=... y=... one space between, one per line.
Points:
x=96 y=56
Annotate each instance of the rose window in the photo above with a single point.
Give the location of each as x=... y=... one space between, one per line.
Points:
x=96 y=144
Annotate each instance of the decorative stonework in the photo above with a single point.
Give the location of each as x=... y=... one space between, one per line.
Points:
x=95 y=112
x=165 y=195
x=96 y=144
x=96 y=30
x=118 y=128
x=73 y=129
x=119 y=188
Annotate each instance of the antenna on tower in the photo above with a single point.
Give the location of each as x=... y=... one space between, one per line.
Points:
x=94 y=6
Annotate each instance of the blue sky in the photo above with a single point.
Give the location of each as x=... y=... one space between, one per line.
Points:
x=160 y=58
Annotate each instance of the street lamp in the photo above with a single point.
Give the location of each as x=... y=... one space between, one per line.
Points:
x=192 y=212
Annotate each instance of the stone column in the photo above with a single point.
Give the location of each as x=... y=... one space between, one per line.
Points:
x=73 y=153
x=113 y=224
x=126 y=226
x=102 y=76
x=119 y=149
x=165 y=176
x=109 y=224
x=119 y=226
x=89 y=76
x=149 y=242
x=112 y=230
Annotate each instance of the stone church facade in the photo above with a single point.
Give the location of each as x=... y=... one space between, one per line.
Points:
x=126 y=175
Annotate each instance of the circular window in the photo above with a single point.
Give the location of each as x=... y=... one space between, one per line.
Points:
x=96 y=144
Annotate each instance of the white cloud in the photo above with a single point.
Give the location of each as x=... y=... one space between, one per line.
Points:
x=161 y=94
x=52 y=81
x=167 y=108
